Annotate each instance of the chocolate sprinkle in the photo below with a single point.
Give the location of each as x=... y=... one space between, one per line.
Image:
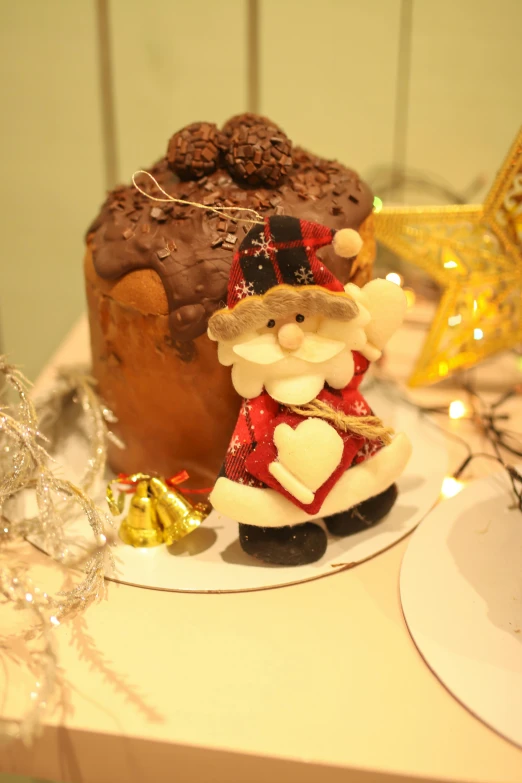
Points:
x=158 y=214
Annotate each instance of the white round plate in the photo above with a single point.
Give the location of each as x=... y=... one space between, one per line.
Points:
x=461 y=592
x=211 y=560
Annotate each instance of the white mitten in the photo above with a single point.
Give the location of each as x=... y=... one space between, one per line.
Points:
x=386 y=303
x=307 y=456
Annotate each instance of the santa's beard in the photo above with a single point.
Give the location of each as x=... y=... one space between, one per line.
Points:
x=297 y=377
x=292 y=381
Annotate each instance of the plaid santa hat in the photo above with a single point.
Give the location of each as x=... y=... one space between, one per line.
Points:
x=276 y=271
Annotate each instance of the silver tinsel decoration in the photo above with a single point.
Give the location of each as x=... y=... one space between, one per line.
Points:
x=25 y=465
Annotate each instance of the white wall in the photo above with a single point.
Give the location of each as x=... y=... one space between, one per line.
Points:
x=429 y=84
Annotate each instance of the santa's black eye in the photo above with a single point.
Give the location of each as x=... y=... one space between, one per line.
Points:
x=271 y=323
x=299 y=318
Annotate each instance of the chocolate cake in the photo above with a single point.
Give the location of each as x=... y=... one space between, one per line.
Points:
x=155 y=272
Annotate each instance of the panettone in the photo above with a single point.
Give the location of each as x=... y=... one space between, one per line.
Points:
x=156 y=271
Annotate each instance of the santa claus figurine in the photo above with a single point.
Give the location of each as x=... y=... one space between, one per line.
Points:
x=306 y=444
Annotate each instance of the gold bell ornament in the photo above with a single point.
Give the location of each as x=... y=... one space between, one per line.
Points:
x=141 y=528
x=177 y=515
x=158 y=512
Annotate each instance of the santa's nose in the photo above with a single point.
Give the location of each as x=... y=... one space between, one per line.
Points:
x=290 y=336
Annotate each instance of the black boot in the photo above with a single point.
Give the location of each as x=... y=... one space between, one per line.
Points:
x=364 y=515
x=291 y=545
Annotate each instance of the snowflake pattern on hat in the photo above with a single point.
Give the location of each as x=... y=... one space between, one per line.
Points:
x=265 y=246
x=360 y=408
x=304 y=276
x=244 y=289
x=235 y=445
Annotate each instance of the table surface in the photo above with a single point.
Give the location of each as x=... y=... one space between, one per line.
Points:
x=318 y=681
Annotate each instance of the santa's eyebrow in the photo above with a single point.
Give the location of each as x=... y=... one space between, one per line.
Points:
x=281 y=301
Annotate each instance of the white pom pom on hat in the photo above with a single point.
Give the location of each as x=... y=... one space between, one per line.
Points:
x=347 y=242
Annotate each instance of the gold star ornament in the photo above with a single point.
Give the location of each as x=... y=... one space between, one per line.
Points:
x=475 y=254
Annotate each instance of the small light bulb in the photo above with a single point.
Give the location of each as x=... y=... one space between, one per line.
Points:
x=451 y=487
x=457 y=409
x=450 y=264
x=454 y=320
x=54 y=620
x=393 y=277
x=28 y=597
x=478 y=334
x=410 y=296
x=377 y=204
x=475 y=305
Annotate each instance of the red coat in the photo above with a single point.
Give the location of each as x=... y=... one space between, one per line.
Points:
x=252 y=448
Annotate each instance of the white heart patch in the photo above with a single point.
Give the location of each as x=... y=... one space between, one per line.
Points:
x=311 y=452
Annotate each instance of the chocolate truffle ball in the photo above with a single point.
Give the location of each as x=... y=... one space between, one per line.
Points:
x=247 y=120
x=259 y=154
x=193 y=151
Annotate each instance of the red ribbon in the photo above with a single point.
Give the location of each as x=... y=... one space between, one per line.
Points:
x=173 y=481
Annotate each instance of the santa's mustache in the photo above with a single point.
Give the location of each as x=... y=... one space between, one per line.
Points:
x=265 y=349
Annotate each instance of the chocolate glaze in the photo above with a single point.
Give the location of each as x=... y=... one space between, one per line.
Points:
x=191 y=249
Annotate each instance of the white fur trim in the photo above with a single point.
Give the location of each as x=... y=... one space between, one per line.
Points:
x=347 y=242
x=291 y=483
x=267 y=508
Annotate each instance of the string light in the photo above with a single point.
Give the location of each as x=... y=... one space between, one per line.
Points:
x=377 y=204
x=394 y=277
x=478 y=334
x=451 y=487
x=454 y=320
x=457 y=409
x=486 y=418
x=450 y=264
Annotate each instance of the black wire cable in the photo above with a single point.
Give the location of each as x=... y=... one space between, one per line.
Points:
x=485 y=419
